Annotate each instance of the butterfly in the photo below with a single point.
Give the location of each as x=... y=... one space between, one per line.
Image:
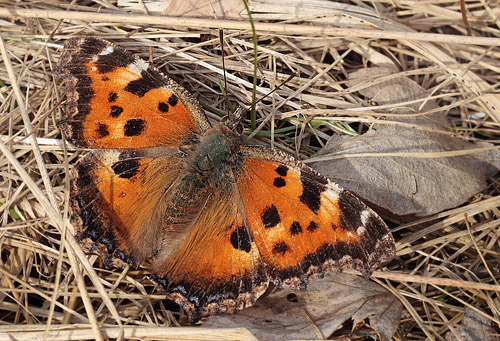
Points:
x=217 y=219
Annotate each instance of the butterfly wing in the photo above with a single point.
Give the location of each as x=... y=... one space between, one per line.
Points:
x=217 y=268
x=118 y=200
x=305 y=225
x=272 y=219
x=116 y=100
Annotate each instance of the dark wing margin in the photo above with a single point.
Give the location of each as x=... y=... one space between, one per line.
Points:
x=304 y=224
x=115 y=201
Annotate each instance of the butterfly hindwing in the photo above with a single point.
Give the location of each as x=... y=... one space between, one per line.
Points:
x=116 y=100
x=217 y=267
x=118 y=201
x=305 y=225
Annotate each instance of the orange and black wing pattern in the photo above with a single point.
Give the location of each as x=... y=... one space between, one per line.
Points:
x=303 y=224
x=271 y=219
x=118 y=201
x=217 y=266
x=115 y=100
x=218 y=220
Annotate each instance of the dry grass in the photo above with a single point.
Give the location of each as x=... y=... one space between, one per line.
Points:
x=445 y=263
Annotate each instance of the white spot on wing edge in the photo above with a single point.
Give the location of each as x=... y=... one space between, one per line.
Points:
x=332 y=194
x=138 y=66
x=108 y=50
x=360 y=230
x=365 y=214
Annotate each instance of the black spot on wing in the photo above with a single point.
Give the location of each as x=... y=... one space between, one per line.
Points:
x=126 y=169
x=102 y=131
x=311 y=195
x=143 y=85
x=163 y=107
x=173 y=100
x=111 y=61
x=240 y=239
x=279 y=182
x=280 y=248
x=312 y=187
x=112 y=97
x=116 y=111
x=282 y=170
x=270 y=216
x=313 y=226
x=134 y=127
x=296 y=228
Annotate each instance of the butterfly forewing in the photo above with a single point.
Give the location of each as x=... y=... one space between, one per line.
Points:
x=303 y=224
x=118 y=101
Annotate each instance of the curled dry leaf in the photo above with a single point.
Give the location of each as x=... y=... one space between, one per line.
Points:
x=316 y=313
x=407 y=184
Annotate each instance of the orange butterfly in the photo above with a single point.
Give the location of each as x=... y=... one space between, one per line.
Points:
x=220 y=220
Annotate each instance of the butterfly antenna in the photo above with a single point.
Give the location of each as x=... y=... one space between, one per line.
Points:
x=272 y=91
x=221 y=37
x=234 y=122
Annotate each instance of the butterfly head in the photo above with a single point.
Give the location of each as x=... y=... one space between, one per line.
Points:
x=233 y=120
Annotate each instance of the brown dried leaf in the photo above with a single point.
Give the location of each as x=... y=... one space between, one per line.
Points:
x=474 y=327
x=319 y=311
x=400 y=184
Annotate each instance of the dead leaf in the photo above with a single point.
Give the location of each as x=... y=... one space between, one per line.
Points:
x=322 y=309
x=407 y=185
x=474 y=327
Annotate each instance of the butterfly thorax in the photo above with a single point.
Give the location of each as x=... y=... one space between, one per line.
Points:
x=208 y=168
x=211 y=158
